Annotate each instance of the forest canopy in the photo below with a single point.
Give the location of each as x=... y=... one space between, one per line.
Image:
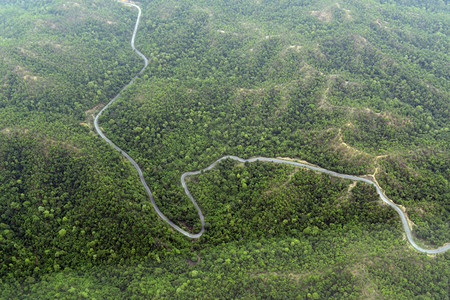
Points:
x=357 y=87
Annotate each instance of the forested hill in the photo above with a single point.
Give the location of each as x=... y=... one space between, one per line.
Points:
x=358 y=87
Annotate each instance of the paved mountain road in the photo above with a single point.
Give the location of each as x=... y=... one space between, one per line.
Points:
x=263 y=159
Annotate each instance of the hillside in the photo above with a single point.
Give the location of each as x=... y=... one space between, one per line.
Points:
x=357 y=87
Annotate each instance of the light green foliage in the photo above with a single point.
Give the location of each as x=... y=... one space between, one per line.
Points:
x=360 y=87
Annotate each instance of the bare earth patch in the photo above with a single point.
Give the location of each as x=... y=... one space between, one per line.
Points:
x=30 y=77
x=369 y=287
x=193 y=263
x=6 y=130
x=90 y=115
x=66 y=145
x=296 y=48
x=26 y=74
x=324 y=15
x=94 y=109
x=346 y=195
x=346 y=147
x=279 y=186
x=410 y=223
x=298 y=160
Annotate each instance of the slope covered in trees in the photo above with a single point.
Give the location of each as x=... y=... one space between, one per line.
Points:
x=232 y=80
x=360 y=87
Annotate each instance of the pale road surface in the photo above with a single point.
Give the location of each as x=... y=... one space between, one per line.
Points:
x=263 y=159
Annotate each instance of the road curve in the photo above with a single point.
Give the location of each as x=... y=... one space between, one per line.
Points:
x=133 y=162
x=332 y=173
x=263 y=159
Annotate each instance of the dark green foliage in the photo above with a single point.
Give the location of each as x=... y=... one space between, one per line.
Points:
x=360 y=87
x=259 y=199
x=55 y=58
x=59 y=209
x=333 y=266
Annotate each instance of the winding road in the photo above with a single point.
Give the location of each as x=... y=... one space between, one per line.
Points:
x=263 y=159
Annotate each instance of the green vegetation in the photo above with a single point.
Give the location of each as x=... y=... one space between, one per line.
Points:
x=337 y=243
x=277 y=268
x=359 y=87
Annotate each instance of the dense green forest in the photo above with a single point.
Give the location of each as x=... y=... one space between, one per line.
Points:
x=358 y=87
